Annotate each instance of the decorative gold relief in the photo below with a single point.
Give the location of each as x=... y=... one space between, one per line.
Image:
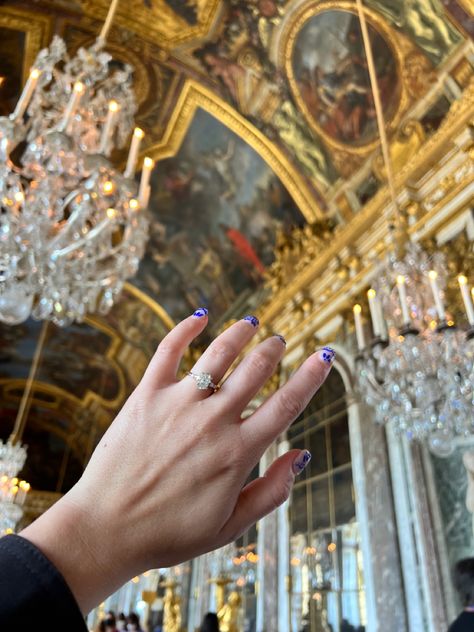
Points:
x=194 y=96
x=407 y=141
x=35 y=26
x=161 y=21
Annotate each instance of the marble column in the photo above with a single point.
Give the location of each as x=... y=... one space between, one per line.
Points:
x=376 y=517
x=267 y=566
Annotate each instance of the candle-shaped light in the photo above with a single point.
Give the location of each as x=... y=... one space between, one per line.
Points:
x=148 y=165
x=433 y=277
x=357 y=309
x=27 y=93
x=146 y=198
x=375 y=313
x=466 y=297
x=402 y=293
x=137 y=138
x=77 y=92
x=108 y=127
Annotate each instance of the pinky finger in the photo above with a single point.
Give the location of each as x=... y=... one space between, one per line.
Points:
x=264 y=494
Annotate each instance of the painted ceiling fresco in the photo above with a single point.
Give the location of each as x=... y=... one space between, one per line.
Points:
x=291 y=130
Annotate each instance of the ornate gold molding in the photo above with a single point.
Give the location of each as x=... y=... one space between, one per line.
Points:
x=194 y=96
x=37 y=28
x=158 y=23
x=433 y=152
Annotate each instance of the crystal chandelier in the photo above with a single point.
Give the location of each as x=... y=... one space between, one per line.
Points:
x=418 y=370
x=72 y=226
x=12 y=491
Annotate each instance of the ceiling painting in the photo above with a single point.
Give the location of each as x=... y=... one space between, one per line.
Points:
x=216 y=209
x=329 y=76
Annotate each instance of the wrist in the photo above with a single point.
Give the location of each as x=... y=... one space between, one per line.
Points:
x=81 y=550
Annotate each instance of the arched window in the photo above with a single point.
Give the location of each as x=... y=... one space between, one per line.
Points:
x=327 y=589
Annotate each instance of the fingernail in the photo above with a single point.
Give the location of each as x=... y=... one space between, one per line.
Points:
x=327 y=355
x=199 y=313
x=301 y=461
x=253 y=320
x=280 y=337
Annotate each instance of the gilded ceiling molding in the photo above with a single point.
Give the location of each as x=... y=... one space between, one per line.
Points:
x=37 y=28
x=432 y=153
x=152 y=304
x=194 y=96
x=159 y=23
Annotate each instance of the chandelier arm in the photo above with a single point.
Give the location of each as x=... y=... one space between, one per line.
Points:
x=23 y=410
x=379 y=112
x=108 y=21
x=92 y=234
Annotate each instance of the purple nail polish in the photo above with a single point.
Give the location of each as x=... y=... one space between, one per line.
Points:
x=301 y=461
x=253 y=320
x=199 y=313
x=280 y=337
x=327 y=354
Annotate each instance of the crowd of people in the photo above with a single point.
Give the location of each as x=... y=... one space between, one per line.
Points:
x=112 y=623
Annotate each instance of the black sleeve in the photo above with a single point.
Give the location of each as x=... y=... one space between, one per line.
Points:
x=33 y=594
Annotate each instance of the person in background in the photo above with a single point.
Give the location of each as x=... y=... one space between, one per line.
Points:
x=210 y=623
x=121 y=622
x=463 y=578
x=133 y=623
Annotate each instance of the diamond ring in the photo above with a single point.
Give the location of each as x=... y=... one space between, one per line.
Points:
x=204 y=381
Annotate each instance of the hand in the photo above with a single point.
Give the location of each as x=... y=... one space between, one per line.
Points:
x=166 y=481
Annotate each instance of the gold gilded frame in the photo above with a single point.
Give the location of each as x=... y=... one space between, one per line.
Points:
x=35 y=26
x=159 y=24
x=60 y=395
x=194 y=96
x=310 y=9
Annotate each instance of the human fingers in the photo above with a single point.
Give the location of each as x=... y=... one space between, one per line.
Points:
x=264 y=494
x=284 y=406
x=221 y=353
x=252 y=373
x=164 y=365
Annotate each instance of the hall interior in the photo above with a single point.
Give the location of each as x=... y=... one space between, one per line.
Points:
x=307 y=161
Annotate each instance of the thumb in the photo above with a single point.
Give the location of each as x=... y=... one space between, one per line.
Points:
x=264 y=494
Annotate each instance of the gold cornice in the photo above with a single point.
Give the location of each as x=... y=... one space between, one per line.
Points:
x=459 y=116
x=37 y=28
x=194 y=96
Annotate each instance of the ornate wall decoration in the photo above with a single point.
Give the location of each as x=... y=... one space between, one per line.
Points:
x=407 y=141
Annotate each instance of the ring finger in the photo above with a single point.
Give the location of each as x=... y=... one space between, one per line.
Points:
x=220 y=355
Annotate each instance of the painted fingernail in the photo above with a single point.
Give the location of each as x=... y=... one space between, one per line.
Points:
x=301 y=461
x=199 y=313
x=253 y=320
x=327 y=355
x=280 y=337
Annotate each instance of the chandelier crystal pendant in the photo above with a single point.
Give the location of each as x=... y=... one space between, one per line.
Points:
x=418 y=370
x=73 y=228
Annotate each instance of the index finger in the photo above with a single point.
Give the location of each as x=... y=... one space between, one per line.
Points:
x=275 y=415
